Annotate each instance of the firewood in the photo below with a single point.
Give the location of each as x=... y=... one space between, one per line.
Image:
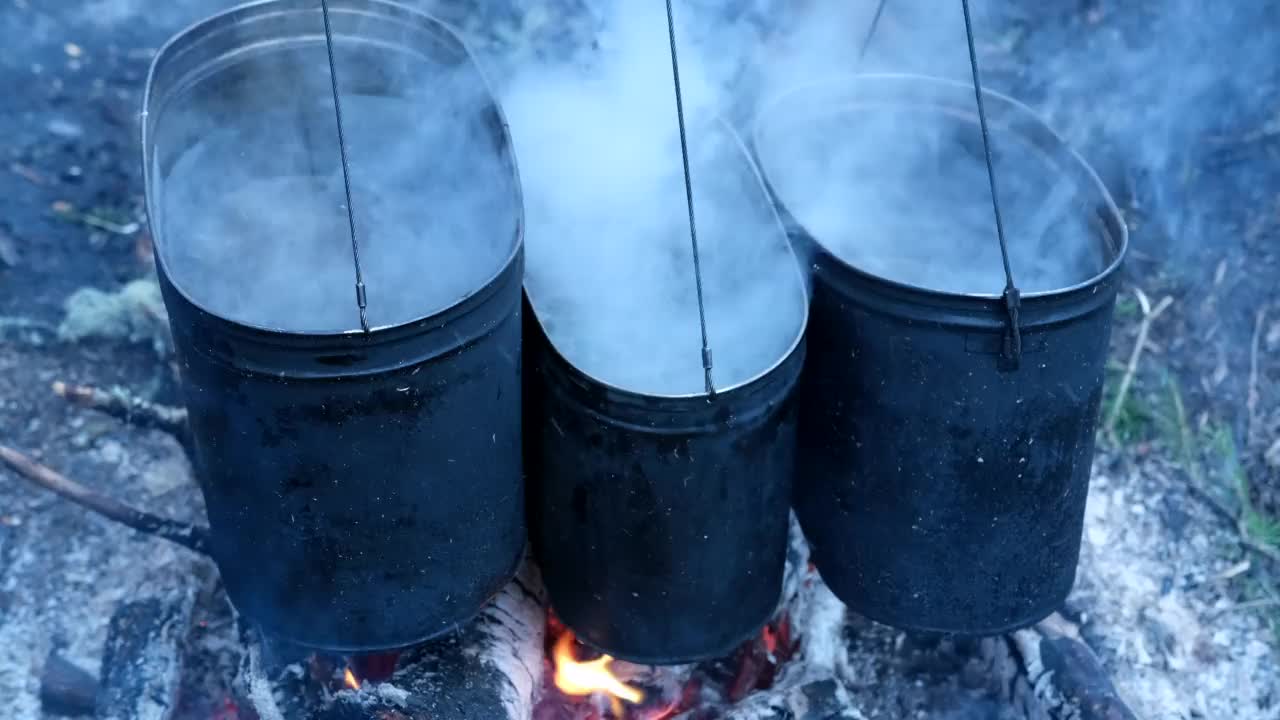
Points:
x=142 y=659
x=1067 y=677
x=490 y=668
x=66 y=688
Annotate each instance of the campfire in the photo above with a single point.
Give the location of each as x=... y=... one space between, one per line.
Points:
x=581 y=684
x=691 y=552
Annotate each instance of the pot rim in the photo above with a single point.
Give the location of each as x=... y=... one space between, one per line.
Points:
x=836 y=88
x=200 y=29
x=629 y=395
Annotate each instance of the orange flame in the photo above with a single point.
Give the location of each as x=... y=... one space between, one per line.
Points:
x=349 y=679
x=584 y=678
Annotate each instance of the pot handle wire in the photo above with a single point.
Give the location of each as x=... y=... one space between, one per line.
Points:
x=361 y=298
x=688 y=193
x=1012 y=296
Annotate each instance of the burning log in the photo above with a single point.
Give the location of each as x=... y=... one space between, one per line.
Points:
x=193 y=537
x=489 y=668
x=66 y=688
x=142 y=659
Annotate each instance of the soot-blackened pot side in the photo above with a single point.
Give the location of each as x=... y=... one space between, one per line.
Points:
x=941 y=484
x=660 y=524
x=941 y=490
x=368 y=511
x=364 y=490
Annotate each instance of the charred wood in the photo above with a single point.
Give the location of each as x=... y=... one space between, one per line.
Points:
x=1067 y=677
x=142 y=659
x=66 y=688
x=490 y=668
x=817 y=700
x=193 y=537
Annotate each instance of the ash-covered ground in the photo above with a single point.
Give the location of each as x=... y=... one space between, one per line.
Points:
x=1178 y=587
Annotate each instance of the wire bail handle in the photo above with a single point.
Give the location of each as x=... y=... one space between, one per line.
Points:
x=1012 y=345
x=361 y=298
x=688 y=194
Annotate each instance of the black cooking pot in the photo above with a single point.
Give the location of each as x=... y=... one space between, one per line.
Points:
x=660 y=522
x=942 y=478
x=364 y=490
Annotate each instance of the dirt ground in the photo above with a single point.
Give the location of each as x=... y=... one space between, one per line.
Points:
x=1178 y=588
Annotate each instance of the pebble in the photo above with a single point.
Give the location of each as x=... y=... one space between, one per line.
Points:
x=64 y=128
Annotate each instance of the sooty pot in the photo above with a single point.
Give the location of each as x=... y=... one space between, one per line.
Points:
x=364 y=490
x=942 y=478
x=660 y=521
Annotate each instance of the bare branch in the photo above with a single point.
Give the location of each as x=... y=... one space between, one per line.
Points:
x=193 y=537
x=120 y=404
x=1149 y=316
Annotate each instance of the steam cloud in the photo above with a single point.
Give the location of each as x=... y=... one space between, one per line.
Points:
x=254 y=218
x=610 y=268
x=903 y=194
x=604 y=124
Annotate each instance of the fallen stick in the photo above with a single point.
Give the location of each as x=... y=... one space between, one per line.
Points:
x=1148 y=316
x=1236 y=521
x=193 y=537
x=122 y=405
x=1251 y=400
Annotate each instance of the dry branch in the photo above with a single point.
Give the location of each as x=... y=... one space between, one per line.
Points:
x=193 y=537
x=1144 y=328
x=1237 y=521
x=1252 y=399
x=121 y=404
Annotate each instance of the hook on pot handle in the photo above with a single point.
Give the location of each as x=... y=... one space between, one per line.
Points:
x=1013 y=334
x=1012 y=297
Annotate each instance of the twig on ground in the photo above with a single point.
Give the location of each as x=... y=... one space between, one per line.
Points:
x=1149 y=315
x=1262 y=604
x=193 y=537
x=17 y=324
x=1238 y=522
x=120 y=404
x=1251 y=402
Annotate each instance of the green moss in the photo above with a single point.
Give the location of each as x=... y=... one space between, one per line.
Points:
x=1127 y=308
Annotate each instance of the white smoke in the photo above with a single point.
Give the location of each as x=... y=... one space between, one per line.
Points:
x=253 y=214
x=610 y=268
